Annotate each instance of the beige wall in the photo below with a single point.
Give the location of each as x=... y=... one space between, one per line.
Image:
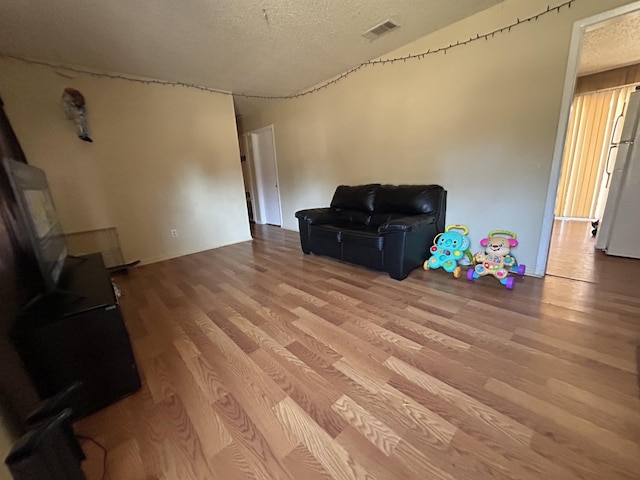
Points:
x=480 y=120
x=163 y=157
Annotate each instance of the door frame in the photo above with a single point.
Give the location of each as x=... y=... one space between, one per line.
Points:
x=575 y=48
x=259 y=200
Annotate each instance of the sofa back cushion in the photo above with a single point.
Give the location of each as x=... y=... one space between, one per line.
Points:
x=409 y=199
x=359 y=197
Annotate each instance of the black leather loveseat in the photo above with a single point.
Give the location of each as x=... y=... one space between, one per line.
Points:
x=384 y=227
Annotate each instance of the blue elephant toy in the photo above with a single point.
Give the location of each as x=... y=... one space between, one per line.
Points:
x=449 y=247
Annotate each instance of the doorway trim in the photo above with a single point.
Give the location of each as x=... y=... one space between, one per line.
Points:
x=575 y=48
x=245 y=150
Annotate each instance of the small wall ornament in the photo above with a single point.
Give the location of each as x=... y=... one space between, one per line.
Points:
x=75 y=109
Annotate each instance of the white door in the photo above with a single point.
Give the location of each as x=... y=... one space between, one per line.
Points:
x=266 y=171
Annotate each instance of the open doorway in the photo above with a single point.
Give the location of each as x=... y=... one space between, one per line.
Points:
x=603 y=70
x=596 y=123
x=260 y=173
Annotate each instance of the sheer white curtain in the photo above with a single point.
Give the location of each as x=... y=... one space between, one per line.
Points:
x=582 y=189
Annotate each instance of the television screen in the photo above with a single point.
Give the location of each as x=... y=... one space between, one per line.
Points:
x=32 y=192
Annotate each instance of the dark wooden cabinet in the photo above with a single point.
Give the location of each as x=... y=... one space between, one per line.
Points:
x=78 y=334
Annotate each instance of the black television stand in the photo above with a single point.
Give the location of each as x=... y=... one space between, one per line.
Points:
x=61 y=341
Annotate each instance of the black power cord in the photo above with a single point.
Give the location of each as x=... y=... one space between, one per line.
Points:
x=104 y=452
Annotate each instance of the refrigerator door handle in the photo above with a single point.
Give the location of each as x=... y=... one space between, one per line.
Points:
x=606 y=167
x=613 y=144
x=615 y=124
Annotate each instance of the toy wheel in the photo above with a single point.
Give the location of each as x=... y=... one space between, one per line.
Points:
x=470 y=274
x=509 y=283
x=425 y=265
x=521 y=269
x=456 y=272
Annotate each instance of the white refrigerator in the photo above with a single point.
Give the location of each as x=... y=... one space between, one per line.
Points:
x=619 y=230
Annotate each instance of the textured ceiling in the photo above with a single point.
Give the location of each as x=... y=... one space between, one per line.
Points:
x=264 y=47
x=613 y=44
x=268 y=47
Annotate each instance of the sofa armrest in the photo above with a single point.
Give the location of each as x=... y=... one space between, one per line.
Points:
x=317 y=216
x=406 y=243
x=407 y=224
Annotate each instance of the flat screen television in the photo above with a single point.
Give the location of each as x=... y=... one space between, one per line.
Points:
x=40 y=219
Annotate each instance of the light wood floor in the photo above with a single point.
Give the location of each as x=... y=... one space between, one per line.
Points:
x=259 y=362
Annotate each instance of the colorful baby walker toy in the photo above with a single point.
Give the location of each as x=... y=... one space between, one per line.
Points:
x=449 y=247
x=497 y=259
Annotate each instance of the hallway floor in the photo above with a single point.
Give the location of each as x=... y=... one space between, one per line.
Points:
x=573 y=255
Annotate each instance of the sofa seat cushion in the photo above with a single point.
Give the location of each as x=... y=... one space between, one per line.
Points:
x=364 y=237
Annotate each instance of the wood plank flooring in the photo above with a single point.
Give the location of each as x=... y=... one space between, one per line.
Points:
x=259 y=362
